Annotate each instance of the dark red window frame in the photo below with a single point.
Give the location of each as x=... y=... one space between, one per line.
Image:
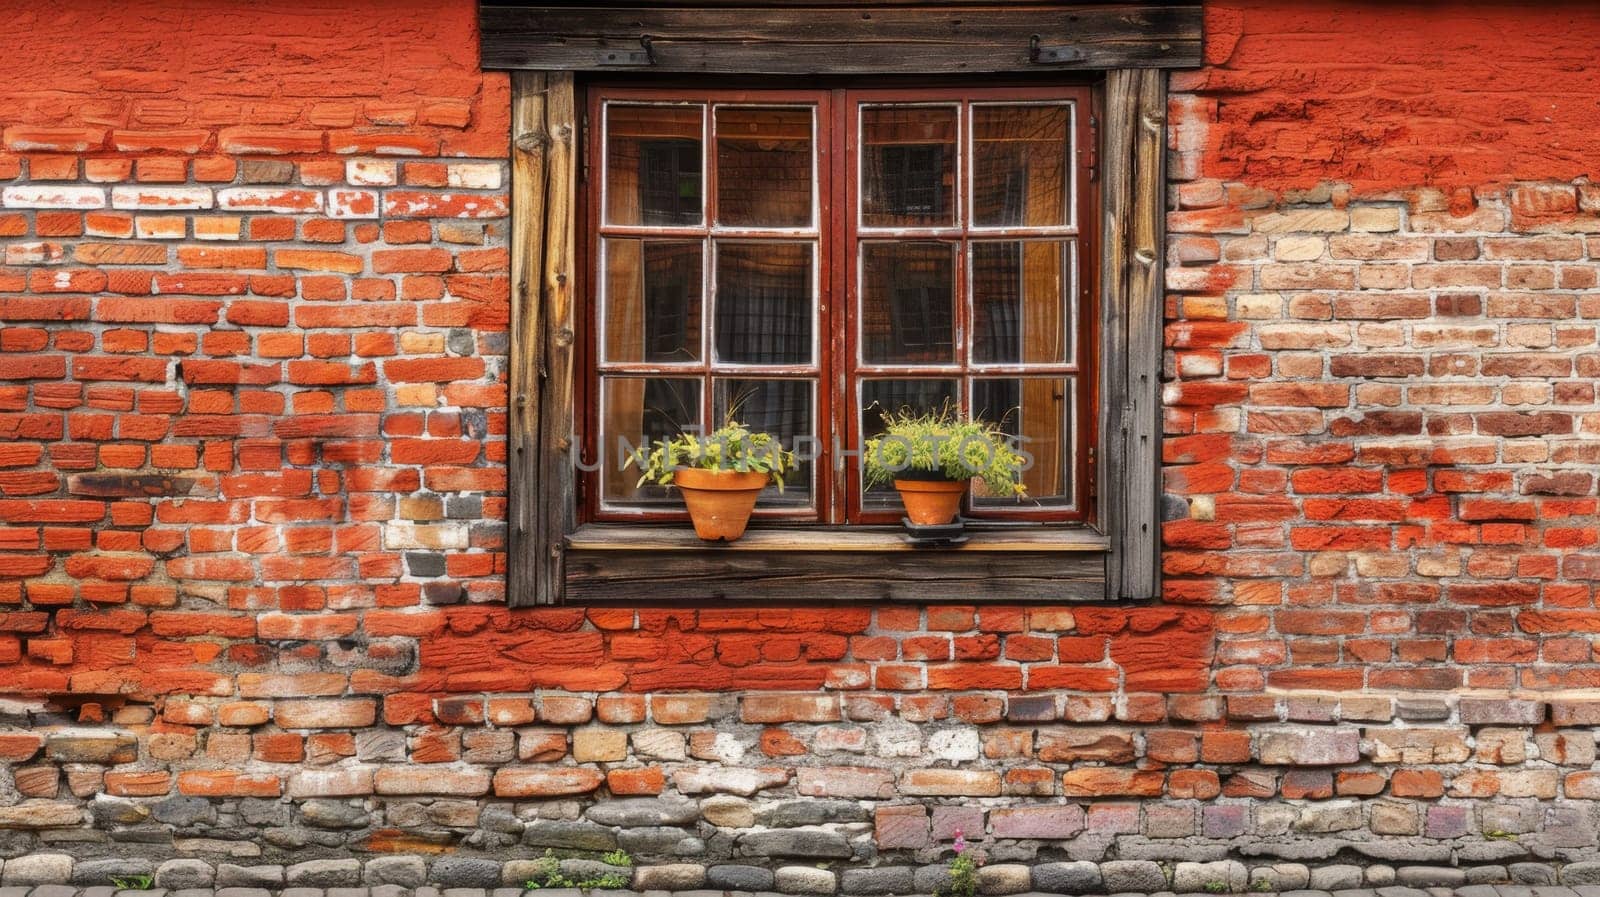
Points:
x=836 y=486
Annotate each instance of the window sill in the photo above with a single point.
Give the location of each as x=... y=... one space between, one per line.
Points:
x=625 y=562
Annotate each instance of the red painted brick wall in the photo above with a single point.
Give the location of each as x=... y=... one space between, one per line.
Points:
x=252 y=338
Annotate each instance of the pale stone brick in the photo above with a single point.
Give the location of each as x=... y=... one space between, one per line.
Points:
x=1375 y=219
x=1298 y=248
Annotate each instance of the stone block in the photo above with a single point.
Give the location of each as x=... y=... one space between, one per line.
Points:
x=1502 y=711
x=669 y=877
x=1227 y=876
x=810 y=843
x=1004 y=878
x=845 y=781
x=175 y=874
x=1308 y=746
x=1142 y=876
x=901 y=827
x=341 y=873
x=879 y=880
x=805 y=880
x=733 y=877
x=1048 y=823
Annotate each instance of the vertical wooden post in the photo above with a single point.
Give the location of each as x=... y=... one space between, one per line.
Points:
x=529 y=144
x=1134 y=198
x=540 y=480
x=558 y=496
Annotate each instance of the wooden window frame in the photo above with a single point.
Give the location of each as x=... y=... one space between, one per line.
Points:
x=837 y=370
x=552 y=559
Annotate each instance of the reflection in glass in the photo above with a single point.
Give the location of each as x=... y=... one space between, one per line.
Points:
x=636 y=411
x=763 y=167
x=894 y=396
x=1021 y=175
x=653 y=165
x=1021 y=302
x=652 y=300
x=764 y=303
x=782 y=408
x=907 y=303
x=1038 y=411
x=908 y=165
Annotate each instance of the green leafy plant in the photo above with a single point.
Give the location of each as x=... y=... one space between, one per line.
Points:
x=132 y=882
x=547 y=874
x=1261 y=886
x=617 y=857
x=732 y=447
x=1216 y=887
x=940 y=445
x=962 y=871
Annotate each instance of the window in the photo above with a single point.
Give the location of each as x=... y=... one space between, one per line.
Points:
x=749 y=297
x=804 y=261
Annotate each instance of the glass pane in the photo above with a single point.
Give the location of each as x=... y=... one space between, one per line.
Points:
x=763 y=167
x=880 y=396
x=635 y=412
x=1038 y=411
x=1022 y=302
x=908 y=303
x=652 y=300
x=653 y=164
x=764 y=302
x=784 y=409
x=1021 y=176
x=908 y=166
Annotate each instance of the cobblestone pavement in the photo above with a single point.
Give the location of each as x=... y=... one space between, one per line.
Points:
x=398 y=891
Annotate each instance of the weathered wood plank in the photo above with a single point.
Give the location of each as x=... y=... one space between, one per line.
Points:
x=1116 y=201
x=833 y=40
x=718 y=574
x=557 y=497
x=852 y=539
x=1141 y=561
x=530 y=142
x=1133 y=203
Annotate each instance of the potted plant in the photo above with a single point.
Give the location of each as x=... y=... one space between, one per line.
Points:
x=930 y=458
x=720 y=475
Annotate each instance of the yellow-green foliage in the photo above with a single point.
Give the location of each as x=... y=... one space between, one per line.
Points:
x=733 y=447
x=940 y=445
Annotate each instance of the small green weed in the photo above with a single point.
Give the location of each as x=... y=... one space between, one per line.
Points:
x=617 y=858
x=547 y=874
x=963 y=872
x=132 y=882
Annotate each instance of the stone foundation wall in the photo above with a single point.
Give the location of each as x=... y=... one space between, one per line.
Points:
x=252 y=631
x=865 y=791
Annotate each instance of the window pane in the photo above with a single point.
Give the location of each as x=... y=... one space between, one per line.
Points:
x=908 y=166
x=764 y=167
x=892 y=396
x=1039 y=412
x=1020 y=166
x=782 y=408
x=1022 y=301
x=764 y=303
x=652 y=300
x=653 y=165
x=907 y=303
x=635 y=412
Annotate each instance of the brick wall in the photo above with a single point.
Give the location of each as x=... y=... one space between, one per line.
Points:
x=252 y=336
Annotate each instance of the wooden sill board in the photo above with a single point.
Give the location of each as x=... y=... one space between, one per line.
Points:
x=628 y=564
x=633 y=537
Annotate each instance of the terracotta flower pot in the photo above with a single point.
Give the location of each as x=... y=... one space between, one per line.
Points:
x=719 y=501
x=931 y=502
